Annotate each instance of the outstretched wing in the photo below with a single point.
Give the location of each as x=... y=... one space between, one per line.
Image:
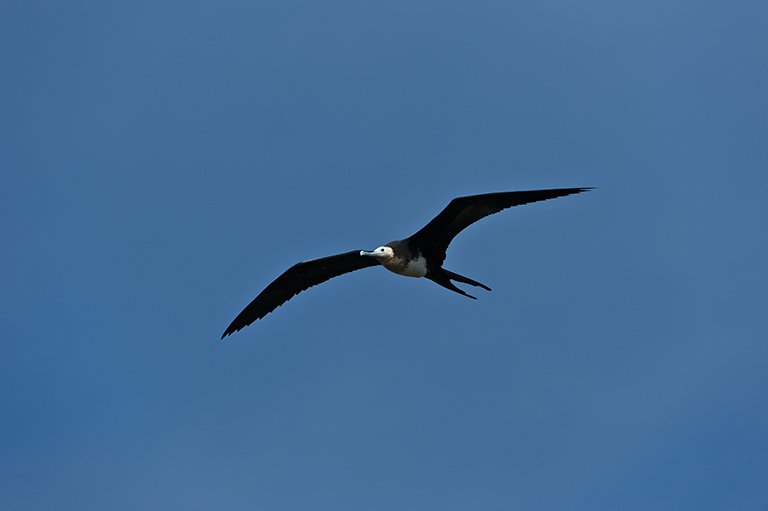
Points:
x=296 y=279
x=434 y=238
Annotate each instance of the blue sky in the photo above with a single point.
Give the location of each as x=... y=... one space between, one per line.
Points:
x=163 y=161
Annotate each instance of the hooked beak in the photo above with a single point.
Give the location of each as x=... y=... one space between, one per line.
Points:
x=369 y=254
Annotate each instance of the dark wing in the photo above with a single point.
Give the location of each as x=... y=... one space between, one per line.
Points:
x=435 y=237
x=296 y=279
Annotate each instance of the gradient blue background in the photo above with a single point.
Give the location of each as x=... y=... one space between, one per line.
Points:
x=161 y=162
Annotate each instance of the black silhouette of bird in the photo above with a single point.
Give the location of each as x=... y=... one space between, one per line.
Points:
x=421 y=255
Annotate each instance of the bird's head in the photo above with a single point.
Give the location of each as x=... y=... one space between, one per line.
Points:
x=383 y=253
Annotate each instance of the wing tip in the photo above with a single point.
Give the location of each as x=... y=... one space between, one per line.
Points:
x=235 y=327
x=572 y=191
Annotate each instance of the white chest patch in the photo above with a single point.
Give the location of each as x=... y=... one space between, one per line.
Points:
x=416 y=268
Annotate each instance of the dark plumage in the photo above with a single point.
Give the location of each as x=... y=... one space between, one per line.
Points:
x=421 y=255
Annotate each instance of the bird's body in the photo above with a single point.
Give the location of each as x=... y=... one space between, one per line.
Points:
x=398 y=257
x=421 y=255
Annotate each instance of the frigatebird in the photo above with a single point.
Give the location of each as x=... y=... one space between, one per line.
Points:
x=421 y=255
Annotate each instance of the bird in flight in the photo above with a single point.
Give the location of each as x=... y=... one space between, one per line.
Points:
x=421 y=255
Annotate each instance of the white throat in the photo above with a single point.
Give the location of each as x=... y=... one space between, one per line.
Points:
x=386 y=256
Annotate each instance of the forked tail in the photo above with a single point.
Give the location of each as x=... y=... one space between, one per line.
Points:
x=443 y=277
